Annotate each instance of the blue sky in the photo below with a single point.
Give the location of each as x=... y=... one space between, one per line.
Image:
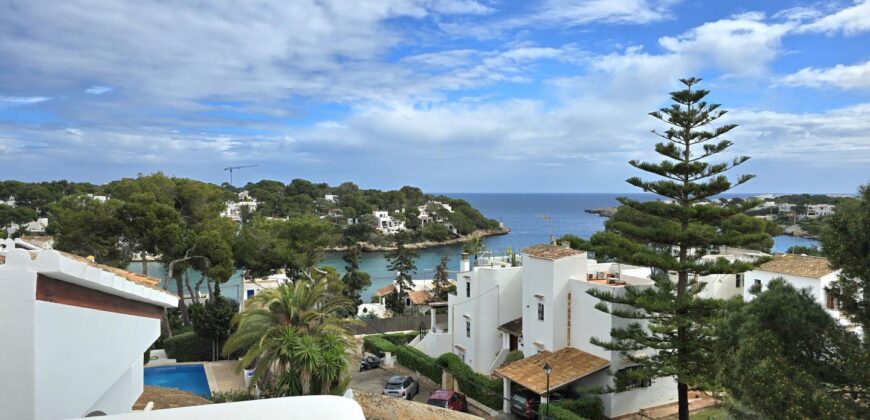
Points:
x=450 y=96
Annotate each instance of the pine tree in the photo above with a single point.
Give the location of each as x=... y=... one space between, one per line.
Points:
x=401 y=261
x=846 y=243
x=441 y=281
x=355 y=281
x=672 y=236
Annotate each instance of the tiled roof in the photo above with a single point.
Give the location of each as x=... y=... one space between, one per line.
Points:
x=383 y=291
x=132 y=277
x=798 y=265
x=550 y=252
x=514 y=327
x=567 y=365
x=419 y=297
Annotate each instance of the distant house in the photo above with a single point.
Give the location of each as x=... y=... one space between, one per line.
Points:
x=802 y=272
x=36 y=227
x=785 y=207
x=74 y=333
x=234 y=209
x=819 y=210
x=332 y=198
x=9 y=201
x=386 y=224
x=725 y=286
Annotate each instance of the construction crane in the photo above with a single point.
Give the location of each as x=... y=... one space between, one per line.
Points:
x=232 y=168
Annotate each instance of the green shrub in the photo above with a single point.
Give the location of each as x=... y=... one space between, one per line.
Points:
x=218 y=397
x=513 y=357
x=188 y=347
x=587 y=406
x=148 y=355
x=479 y=387
x=414 y=359
x=378 y=344
x=401 y=338
x=558 y=413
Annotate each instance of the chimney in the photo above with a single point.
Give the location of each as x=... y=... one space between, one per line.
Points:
x=565 y=244
x=464 y=263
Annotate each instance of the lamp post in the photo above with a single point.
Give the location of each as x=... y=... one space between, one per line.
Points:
x=547 y=371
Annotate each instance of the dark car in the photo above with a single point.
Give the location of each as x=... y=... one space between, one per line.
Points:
x=369 y=361
x=450 y=400
x=525 y=403
x=401 y=386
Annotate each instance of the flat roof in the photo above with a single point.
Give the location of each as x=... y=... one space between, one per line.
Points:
x=551 y=252
x=567 y=365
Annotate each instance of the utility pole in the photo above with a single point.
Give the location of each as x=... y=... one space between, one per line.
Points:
x=232 y=168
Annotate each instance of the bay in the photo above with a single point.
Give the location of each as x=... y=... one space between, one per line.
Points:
x=533 y=219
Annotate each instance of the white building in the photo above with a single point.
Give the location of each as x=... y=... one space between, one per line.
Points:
x=385 y=223
x=74 y=334
x=9 y=201
x=36 y=227
x=819 y=210
x=802 y=272
x=332 y=198
x=542 y=309
x=234 y=209
x=785 y=207
x=725 y=286
x=254 y=286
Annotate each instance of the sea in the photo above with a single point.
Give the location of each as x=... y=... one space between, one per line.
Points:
x=532 y=218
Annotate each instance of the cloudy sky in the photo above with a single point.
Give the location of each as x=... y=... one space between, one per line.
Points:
x=448 y=95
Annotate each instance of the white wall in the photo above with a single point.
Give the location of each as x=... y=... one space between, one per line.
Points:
x=816 y=287
x=17 y=324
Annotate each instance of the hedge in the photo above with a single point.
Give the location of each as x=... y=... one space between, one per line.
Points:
x=557 y=413
x=387 y=342
x=414 y=359
x=482 y=388
x=587 y=406
x=513 y=356
x=188 y=347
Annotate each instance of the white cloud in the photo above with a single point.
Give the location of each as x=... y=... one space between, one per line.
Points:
x=840 y=76
x=464 y=7
x=98 y=90
x=741 y=45
x=23 y=100
x=850 y=21
x=581 y=12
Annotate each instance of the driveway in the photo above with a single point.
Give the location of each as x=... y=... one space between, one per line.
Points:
x=373 y=381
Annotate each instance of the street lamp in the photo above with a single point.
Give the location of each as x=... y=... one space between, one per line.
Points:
x=547 y=371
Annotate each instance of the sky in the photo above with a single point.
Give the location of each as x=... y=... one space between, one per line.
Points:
x=446 y=95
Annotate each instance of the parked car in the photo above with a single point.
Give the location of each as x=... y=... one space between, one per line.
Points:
x=450 y=400
x=525 y=403
x=402 y=386
x=369 y=361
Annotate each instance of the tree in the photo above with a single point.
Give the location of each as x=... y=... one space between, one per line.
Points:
x=87 y=227
x=782 y=356
x=670 y=317
x=295 y=246
x=355 y=281
x=473 y=246
x=807 y=250
x=441 y=281
x=846 y=243
x=15 y=215
x=401 y=261
x=213 y=321
x=296 y=337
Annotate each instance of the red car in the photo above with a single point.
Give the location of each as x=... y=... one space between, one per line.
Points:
x=450 y=400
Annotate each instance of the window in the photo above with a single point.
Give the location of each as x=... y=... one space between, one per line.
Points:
x=830 y=302
x=630 y=381
x=250 y=293
x=540 y=311
x=739 y=280
x=758 y=283
x=468 y=328
x=468 y=289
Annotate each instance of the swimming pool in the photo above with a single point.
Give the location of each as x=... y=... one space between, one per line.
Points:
x=190 y=378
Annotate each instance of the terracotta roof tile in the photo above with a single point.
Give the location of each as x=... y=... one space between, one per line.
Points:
x=798 y=265
x=567 y=365
x=419 y=297
x=386 y=290
x=146 y=281
x=550 y=252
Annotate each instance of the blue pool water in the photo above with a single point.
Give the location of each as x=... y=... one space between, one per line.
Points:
x=190 y=378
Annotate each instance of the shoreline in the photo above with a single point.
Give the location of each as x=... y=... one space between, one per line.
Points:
x=482 y=233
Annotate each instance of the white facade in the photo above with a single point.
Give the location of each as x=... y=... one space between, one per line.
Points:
x=234 y=210
x=332 y=198
x=386 y=224
x=61 y=358
x=549 y=295
x=820 y=210
x=816 y=286
x=726 y=286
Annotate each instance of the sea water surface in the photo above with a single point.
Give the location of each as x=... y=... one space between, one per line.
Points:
x=532 y=218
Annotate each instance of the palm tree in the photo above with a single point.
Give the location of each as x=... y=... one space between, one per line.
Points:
x=296 y=337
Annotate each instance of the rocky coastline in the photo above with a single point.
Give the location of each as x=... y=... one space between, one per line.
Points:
x=482 y=233
x=603 y=211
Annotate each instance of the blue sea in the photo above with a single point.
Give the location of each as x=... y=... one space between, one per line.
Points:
x=533 y=219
